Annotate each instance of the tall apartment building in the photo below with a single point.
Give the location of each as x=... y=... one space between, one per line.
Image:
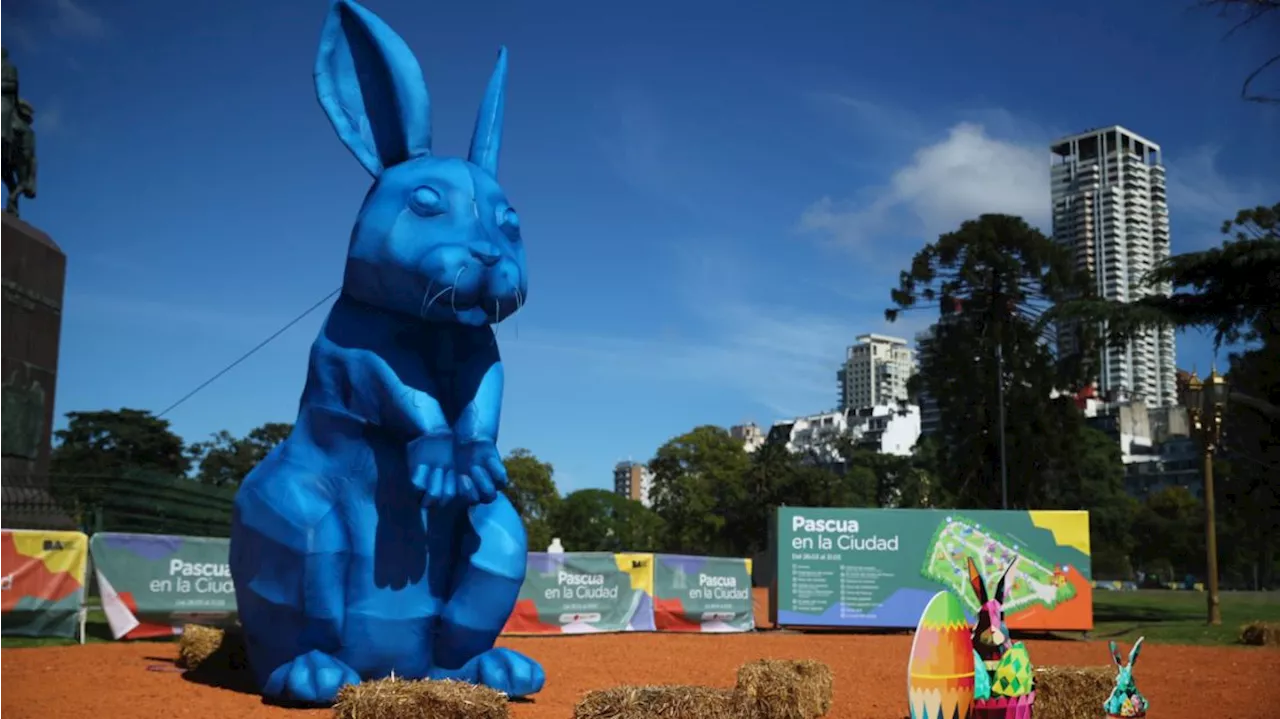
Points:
x=633 y=481
x=1110 y=208
x=875 y=372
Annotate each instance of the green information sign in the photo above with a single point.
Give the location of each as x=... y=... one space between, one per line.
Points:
x=584 y=592
x=880 y=567
x=702 y=594
x=156 y=582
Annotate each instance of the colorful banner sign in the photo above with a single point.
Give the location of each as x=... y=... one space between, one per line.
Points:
x=42 y=588
x=702 y=594
x=153 y=584
x=880 y=567
x=584 y=592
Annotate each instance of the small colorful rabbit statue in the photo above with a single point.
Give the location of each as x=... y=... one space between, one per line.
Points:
x=1003 y=681
x=1125 y=699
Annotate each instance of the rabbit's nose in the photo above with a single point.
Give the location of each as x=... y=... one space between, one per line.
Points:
x=486 y=253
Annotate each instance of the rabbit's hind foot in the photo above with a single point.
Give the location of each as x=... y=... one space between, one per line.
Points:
x=500 y=669
x=312 y=678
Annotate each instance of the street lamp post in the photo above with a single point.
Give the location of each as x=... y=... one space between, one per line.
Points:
x=1205 y=402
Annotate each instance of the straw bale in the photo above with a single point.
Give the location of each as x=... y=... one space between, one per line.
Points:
x=211 y=649
x=397 y=698
x=1261 y=634
x=1072 y=692
x=659 y=702
x=785 y=688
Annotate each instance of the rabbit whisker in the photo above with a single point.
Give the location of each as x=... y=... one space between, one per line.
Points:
x=437 y=296
x=519 y=304
x=453 y=297
x=422 y=311
x=497 y=322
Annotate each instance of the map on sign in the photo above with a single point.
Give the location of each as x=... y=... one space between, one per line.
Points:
x=1031 y=581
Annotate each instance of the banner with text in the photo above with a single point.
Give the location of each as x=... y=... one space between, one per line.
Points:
x=153 y=584
x=42 y=588
x=880 y=567
x=702 y=594
x=584 y=592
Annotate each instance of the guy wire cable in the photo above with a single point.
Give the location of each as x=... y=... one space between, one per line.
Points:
x=250 y=353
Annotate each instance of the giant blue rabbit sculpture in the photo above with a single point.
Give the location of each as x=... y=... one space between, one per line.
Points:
x=375 y=539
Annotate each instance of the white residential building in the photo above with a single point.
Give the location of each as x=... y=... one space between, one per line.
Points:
x=875 y=372
x=887 y=430
x=1111 y=209
x=749 y=434
x=633 y=481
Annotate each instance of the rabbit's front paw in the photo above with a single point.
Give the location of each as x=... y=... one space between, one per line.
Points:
x=431 y=461
x=480 y=471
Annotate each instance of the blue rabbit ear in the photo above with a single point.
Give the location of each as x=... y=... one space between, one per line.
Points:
x=486 y=140
x=1133 y=653
x=371 y=87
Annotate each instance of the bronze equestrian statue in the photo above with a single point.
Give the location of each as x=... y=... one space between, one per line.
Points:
x=19 y=151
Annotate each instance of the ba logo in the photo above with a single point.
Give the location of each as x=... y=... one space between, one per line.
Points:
x=639 y=563
x=52 y=545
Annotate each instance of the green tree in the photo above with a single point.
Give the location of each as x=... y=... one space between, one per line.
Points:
x=1228 y=290
x=1247 y=493
x=890 y=480
x=225 y=460
x=1171 y=524
x=1090 y=475
x=1004 y=275
x=110 y=442
x=775 y=477
x=697 y=481
x=532 y=491
x=597 y=520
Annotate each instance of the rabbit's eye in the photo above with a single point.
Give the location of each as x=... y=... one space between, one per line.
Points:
x=426 y=202
x=509 y=221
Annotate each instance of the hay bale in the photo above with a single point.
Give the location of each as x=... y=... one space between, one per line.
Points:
x=211 y=649
x=1260 y=634
x=397 y=698
x=1072 y=692
x=785 y=688
x=659 y=702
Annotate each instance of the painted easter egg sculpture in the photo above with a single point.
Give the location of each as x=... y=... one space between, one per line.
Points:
x=940 y=670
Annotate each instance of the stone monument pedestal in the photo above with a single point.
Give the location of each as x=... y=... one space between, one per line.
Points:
x=34 y=276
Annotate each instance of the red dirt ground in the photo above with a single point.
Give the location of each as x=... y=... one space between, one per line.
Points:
x=138 y=680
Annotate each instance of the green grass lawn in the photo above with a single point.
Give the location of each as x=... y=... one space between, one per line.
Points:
x=1173 y=617
x=1161 y=616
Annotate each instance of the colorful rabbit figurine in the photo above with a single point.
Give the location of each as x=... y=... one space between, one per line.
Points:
x=1125 y=699
x=376 y=538
x=1003 y=683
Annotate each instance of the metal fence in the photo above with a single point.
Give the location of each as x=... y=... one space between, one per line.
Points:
x=129 y=502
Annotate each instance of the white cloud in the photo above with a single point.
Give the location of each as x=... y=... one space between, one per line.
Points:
x=27 y=25
x=73 y=19
x=777 y=353
x=994 y=161
x=965 y=174
x=1199 y=191
x=780 y=358
x=169 y=318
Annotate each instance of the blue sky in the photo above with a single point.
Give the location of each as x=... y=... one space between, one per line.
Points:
x=716 y=197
